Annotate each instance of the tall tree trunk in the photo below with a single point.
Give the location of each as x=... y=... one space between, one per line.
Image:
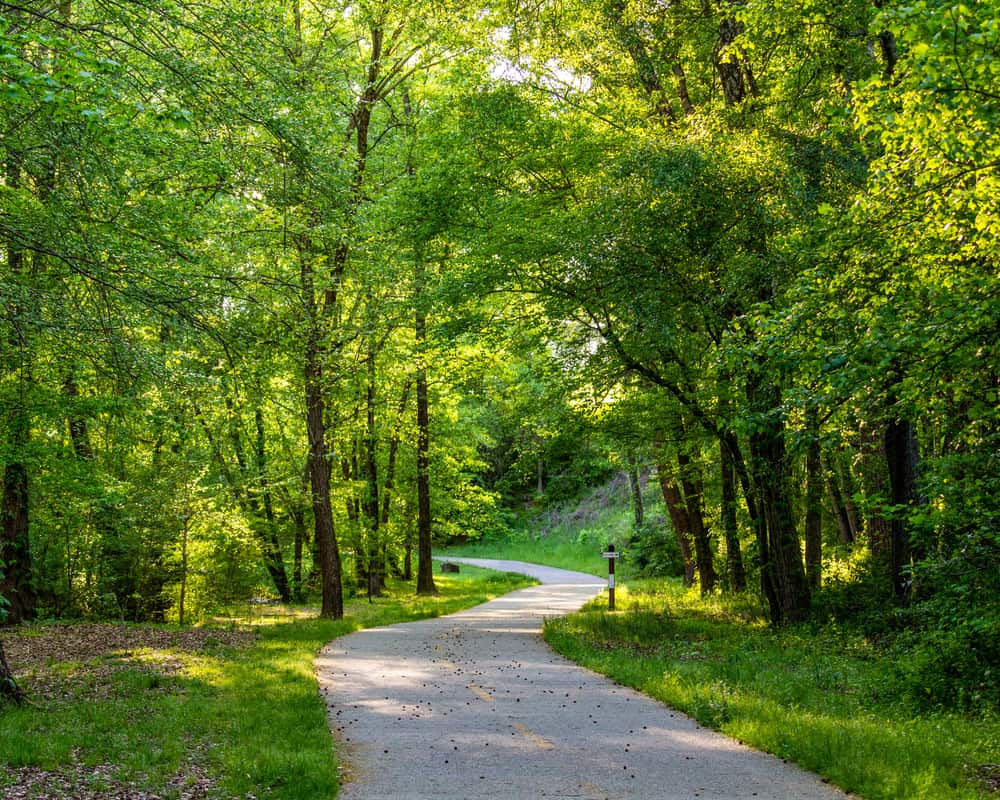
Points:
x=678 y=518
x=734 y=558
x=902 y=456
x=691 y=483
x=783 y=569
x=319 y=460
x=425 y=566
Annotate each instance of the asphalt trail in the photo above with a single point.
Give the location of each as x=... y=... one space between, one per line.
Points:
x=476 y=705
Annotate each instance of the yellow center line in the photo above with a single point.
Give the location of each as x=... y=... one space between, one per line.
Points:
x=482 y=694
x=539 y=741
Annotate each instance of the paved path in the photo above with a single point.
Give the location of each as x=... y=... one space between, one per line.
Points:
x=476 y=705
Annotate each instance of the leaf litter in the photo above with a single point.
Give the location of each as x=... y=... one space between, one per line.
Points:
x=69 y=662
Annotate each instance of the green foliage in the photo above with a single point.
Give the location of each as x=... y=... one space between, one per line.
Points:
x=653 y=551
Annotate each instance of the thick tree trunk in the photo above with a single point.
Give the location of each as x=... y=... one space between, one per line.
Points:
x=783 y=569
x=734 y=558
x=691 y=483
x=678 y=518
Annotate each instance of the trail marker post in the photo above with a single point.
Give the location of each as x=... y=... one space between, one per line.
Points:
x=611 y=555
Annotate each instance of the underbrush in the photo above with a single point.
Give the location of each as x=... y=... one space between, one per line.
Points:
x=222 y=717
x=824 y=696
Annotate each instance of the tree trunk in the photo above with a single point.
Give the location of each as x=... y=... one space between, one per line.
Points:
x=184 y=570
x=682 y=89
x=902 y=456
x=78 y=434
x=878 y=529
x=734 y=558
x=783 y=568
x=298 y=524
x=691 y=483
x=678 y=519
x=631 y=39
x=727 y=62
x=319 y=461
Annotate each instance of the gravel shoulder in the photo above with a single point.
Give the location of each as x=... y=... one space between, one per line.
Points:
x=476 y=705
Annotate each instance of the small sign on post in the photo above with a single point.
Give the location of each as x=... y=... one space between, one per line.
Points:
x=611 y=555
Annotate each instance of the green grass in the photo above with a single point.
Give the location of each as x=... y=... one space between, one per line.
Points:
x=562 y=547
x=811 y=696
x=250 y=718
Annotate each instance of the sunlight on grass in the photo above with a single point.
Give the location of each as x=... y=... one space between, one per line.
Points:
x=806 y=696
x=250 y=717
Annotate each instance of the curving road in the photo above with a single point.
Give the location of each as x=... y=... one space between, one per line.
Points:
x=476 y=705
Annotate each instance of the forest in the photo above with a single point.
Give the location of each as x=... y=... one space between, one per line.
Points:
x=294 y=291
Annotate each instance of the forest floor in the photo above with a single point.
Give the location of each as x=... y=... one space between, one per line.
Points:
x=227 y=710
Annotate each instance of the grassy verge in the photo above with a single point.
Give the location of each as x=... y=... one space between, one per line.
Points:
x=217 y=720
x=810 y=696
x=580 y=551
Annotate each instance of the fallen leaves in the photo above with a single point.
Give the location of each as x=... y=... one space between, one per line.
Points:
x=80 y=782
x=27 y=646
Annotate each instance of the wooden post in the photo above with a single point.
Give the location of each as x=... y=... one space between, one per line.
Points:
x=611 y=555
